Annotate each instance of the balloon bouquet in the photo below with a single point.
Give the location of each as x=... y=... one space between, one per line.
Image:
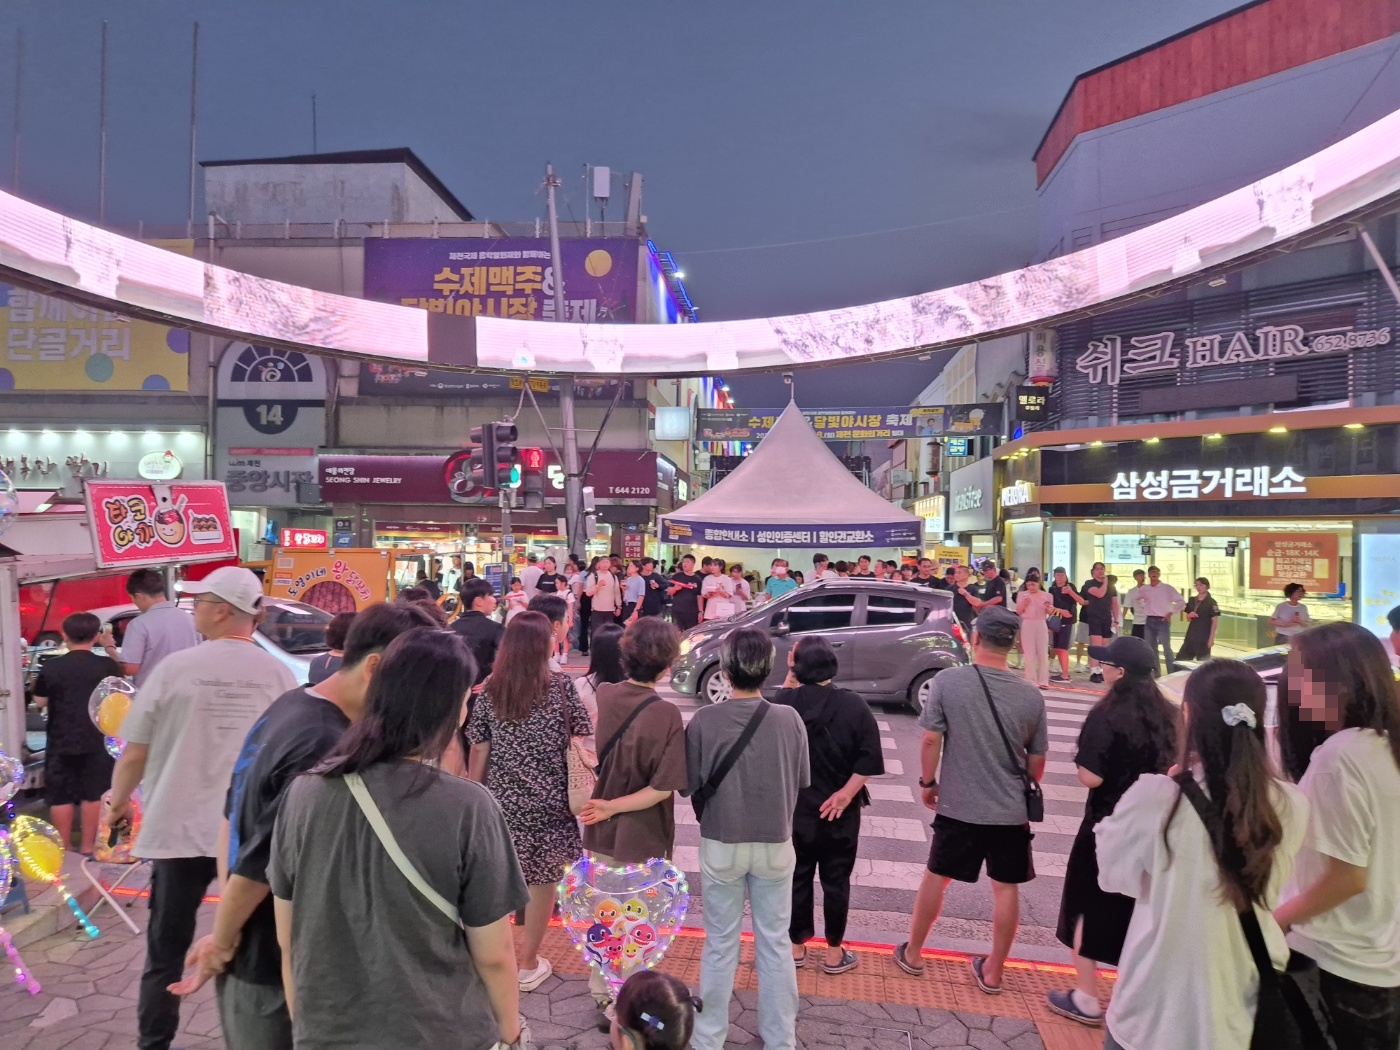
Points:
x=11 y=777
x=108 y=707
x=623 y=919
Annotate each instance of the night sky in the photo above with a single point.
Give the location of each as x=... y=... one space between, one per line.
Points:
x=797 y=154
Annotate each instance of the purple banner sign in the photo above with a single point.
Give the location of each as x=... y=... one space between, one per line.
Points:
x=726 y=534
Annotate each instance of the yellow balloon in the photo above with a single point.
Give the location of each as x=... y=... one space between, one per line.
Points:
x=597 y=263
x=112 y=714
x=40 y=858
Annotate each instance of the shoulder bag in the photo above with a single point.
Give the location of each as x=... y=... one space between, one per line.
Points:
x=706 y=791
x=1035 y=800
x=582 y=777
x=1290 y=1013
x=391 y=846
x=616 y=738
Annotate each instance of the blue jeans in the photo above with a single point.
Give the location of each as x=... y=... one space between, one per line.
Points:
x=762 y=872
x=1158 y=633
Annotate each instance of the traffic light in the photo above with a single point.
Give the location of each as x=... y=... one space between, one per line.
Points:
x=532 y=478
x=507 y=456
x=482 y=461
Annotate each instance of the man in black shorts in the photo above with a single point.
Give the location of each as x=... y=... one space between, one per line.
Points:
x=1067 y=603
x=980 y=801
x=77 y=768
x=1100 y=612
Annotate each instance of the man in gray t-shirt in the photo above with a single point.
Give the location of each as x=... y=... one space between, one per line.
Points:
x=746 y=841
x=980 y=800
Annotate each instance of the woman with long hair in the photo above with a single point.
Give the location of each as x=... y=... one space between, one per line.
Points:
x=1341 y=716
x=1186 y=976
x=520 y=729
x=604 y=668
x=1130 y=732
x=347 y=912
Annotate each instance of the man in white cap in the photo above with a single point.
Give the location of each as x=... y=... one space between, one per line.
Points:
x=184 y=732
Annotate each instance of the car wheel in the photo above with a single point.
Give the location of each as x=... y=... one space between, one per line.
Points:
x=919 y=690
x=714 y=687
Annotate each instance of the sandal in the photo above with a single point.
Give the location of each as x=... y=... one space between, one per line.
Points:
x=848 y=963
x=903 y=964
x=800 y=960
x=976 y=963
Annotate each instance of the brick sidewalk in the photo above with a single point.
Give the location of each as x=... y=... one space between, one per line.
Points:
x=90 y=991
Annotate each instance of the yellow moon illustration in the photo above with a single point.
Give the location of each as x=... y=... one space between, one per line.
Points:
x=598 y=263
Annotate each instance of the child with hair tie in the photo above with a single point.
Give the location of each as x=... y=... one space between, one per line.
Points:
x=654 y=1011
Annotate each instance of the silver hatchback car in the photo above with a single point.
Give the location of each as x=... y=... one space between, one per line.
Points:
x=890 y=639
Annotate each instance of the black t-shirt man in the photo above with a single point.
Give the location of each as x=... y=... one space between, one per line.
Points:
x=962 y=607
x=483 y=636
x=685 y=603
x=67 y=683
x=1098 y=613
x=1063 y=597
x=654 y=593
x=843 y=741
x=993 y=588
x=292 y=736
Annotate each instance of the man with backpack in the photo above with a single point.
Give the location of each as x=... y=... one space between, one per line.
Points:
x=746 y=761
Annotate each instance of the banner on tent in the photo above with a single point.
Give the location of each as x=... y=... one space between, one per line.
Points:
x=726 y=534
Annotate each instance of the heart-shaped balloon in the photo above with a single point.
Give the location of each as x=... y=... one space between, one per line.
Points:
x=11 y=777
x=622 y=918
x=110 y=703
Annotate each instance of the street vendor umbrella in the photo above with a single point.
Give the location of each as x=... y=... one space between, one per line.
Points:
x=792 y=492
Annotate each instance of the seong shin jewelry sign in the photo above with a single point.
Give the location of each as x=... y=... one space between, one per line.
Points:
x=1224 y=483
x=1113 y=357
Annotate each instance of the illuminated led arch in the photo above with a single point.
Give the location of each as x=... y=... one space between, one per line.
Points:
x=1347 y=181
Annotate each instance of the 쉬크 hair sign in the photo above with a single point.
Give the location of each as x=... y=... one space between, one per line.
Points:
x=58 y=255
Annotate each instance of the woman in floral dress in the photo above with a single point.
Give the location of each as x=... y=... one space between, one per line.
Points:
x=519 y=731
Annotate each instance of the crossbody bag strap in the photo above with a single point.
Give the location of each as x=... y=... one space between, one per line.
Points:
x=1215 y=829
x=616 y=738
x=391 y=846
x=1022 y=770
x=732 y=755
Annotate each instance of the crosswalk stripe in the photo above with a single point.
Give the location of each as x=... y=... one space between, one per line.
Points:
x=894 y=767
x=889 y=743
x=1065 y=792
x=904 y=829
x=1061 y=767
x=1069 y=731
x=1067 y=705
x=890 y=792
x=1056 y=716
x=882 y=725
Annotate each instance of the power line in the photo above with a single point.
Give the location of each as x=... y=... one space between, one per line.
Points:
x=854 y=236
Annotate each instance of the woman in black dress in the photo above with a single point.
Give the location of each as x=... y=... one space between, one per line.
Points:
x=1202 y=617
x=1131 y=731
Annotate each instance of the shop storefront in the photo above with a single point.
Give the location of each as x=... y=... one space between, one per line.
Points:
x=58 y=459
x=972 y=508
x=1250 y=511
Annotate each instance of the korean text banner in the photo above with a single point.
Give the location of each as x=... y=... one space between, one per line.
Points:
x=136 y=523
x=52 y=344
x=394 y=380
x=1277 y=559
x=837 y=537
x=855 y=424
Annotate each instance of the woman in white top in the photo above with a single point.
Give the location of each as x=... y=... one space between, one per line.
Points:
x=1186 y=978
x=1340 y=731
x=742 y=590
x=604 y=668
x=717 y=594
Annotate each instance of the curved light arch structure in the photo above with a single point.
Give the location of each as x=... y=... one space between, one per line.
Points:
x=59 y=255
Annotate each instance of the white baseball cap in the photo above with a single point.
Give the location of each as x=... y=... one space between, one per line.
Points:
x=236 y=585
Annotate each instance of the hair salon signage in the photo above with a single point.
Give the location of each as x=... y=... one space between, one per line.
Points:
x=1113 y=357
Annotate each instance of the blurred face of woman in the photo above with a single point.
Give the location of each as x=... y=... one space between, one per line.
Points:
x=1318 y=700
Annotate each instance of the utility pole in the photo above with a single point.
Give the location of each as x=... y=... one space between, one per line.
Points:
x=194 y=112
x=102 y=133
x=573 y=481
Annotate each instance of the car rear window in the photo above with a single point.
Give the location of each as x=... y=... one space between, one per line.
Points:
x=883 y=610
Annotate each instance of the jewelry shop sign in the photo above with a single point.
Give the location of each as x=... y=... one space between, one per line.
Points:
x=1114 y=357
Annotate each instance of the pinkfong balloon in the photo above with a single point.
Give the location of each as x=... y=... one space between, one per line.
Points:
x=11 y=779
x=622 y=919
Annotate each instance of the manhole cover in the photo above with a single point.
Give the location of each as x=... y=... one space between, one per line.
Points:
x=853 y=1036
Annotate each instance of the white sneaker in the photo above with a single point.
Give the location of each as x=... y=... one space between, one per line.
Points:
x=532 y=979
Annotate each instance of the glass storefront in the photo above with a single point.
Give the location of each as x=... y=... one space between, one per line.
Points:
x=1222 y=552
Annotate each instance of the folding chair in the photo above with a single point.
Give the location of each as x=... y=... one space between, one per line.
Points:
x=106 y=891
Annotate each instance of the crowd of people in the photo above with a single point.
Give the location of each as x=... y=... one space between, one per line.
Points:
x=410 y=804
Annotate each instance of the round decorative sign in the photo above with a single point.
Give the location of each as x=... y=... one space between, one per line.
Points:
x=159 y=466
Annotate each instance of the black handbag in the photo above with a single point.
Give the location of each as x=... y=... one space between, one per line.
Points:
x=1035 y=798
x=706 y=791
x=1290 y=1013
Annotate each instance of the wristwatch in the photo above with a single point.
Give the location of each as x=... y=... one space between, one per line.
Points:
x=931 y=784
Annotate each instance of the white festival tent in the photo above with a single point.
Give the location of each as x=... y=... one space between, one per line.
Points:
x=792 y=491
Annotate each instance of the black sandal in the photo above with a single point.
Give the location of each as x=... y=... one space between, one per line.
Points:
x=848 y=962
x=903 y=964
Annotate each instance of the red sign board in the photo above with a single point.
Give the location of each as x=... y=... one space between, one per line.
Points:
x=632 y=545
x=305 y=539
x=1277 y=559
x=139 y=523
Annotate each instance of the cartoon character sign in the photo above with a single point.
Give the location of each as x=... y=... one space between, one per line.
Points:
x=170 y=518
x=623 y=919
